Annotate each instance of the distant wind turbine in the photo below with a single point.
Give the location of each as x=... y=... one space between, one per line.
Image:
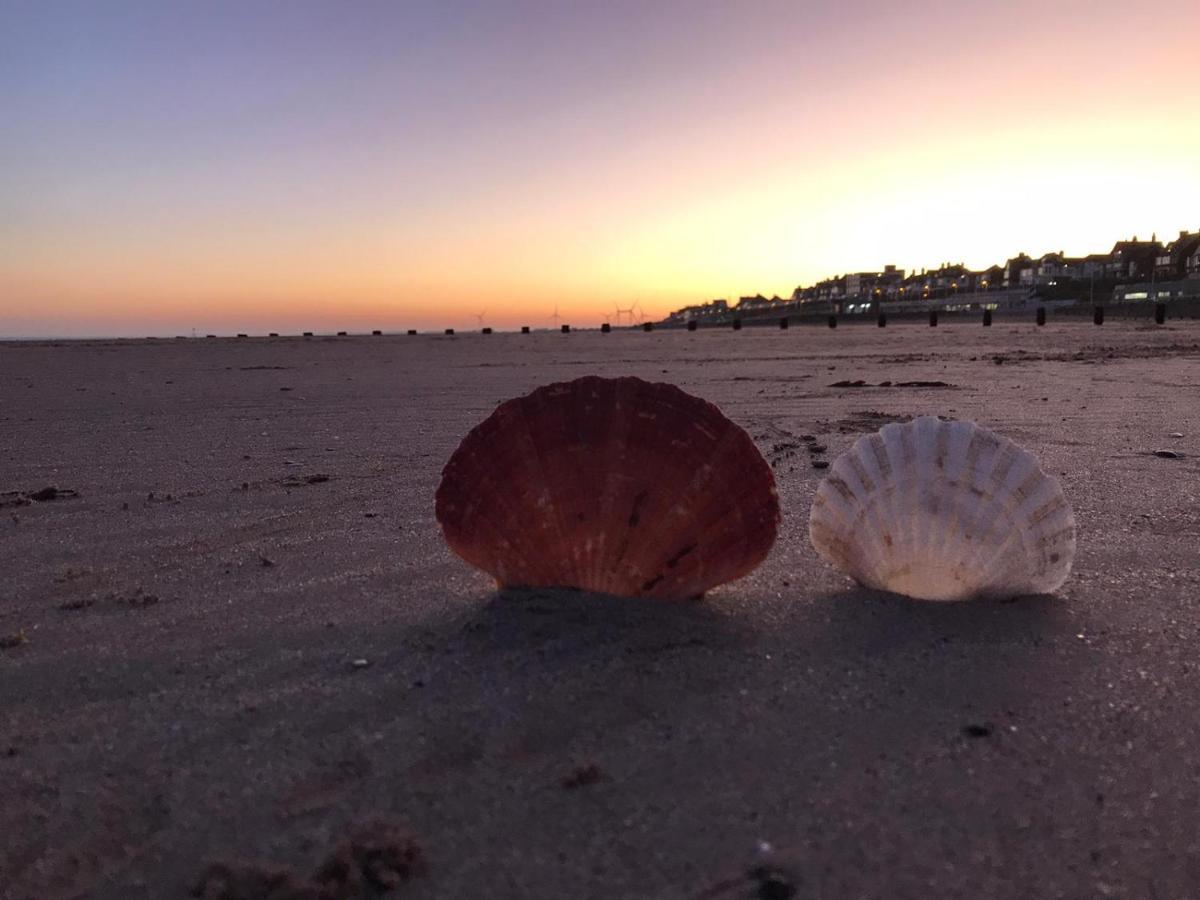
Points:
x=479 y=316
x=555 y=316
x=624 y=312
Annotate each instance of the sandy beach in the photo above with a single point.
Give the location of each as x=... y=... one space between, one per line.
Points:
x=235 y=633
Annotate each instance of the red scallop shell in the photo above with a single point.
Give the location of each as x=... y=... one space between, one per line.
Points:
x=613 y=485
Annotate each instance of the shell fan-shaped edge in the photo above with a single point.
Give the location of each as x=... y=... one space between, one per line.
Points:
x=612 y=485
x=944 y=510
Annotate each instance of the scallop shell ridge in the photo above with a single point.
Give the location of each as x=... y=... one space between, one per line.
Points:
x=613 y=485
x=944 y=510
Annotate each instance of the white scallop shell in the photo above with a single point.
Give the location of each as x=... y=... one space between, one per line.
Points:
x=943 y=510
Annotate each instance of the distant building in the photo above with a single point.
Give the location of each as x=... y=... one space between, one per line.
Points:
x=860 y=284
x=952 y=278
x=831 y=289
x=699 y=311
x=1172 y=260
x=1056 y=268
x=1133 y=260
x=1019 y=271
x=1094 y=265
x=889 y=282
x=1051 y=267
x=990 y=279
x=753 y=304
x=1052 y=277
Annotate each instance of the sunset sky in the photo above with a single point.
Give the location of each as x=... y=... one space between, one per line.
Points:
x=248 y=166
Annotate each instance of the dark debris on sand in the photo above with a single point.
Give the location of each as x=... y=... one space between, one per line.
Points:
x=77 y=604
x=51 y=492
x=772 y=883
x=582 y=776
x=301 y=480
x=780 y=452
x=374 y=859
x=41 y=495
x=137 y=599
x=761 y=882
x=10 y=641
x=887 y=384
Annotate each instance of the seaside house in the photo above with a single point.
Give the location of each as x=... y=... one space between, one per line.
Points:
x=1054 y=268
x=911 y=287
x=1019 y=271
x=698 y=311
x=1173 y=273
x=1172 y=261
x=889 y=281
x=861 y=285
x=753 y=304
x=873 y=287
x=832 y=289
x=952 y=278
x=1050 y=268
x=1128 y=261
x=948 y=280
x=1133 y=260
x=1073 y=268
x=990 y=279
x=1094 y=265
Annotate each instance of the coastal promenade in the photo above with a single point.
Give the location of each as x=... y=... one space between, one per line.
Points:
x=233 y=632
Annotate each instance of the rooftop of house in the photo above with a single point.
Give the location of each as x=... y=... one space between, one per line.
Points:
x=1184 y=246
x=1135 y=246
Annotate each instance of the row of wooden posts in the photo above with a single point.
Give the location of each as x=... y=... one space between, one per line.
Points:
x=1160 y=316
x=525 y=329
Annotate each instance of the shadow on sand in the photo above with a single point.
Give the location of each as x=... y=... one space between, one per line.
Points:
x=578 y=623
x=589 y=663
x=873 y=622
x=850 y=700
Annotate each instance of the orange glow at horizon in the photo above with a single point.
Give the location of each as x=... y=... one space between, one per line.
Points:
x=755 y=179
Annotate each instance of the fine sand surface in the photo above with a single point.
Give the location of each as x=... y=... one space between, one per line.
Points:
x=253 y=516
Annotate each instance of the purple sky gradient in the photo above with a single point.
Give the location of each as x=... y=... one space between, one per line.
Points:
x=171 y=163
